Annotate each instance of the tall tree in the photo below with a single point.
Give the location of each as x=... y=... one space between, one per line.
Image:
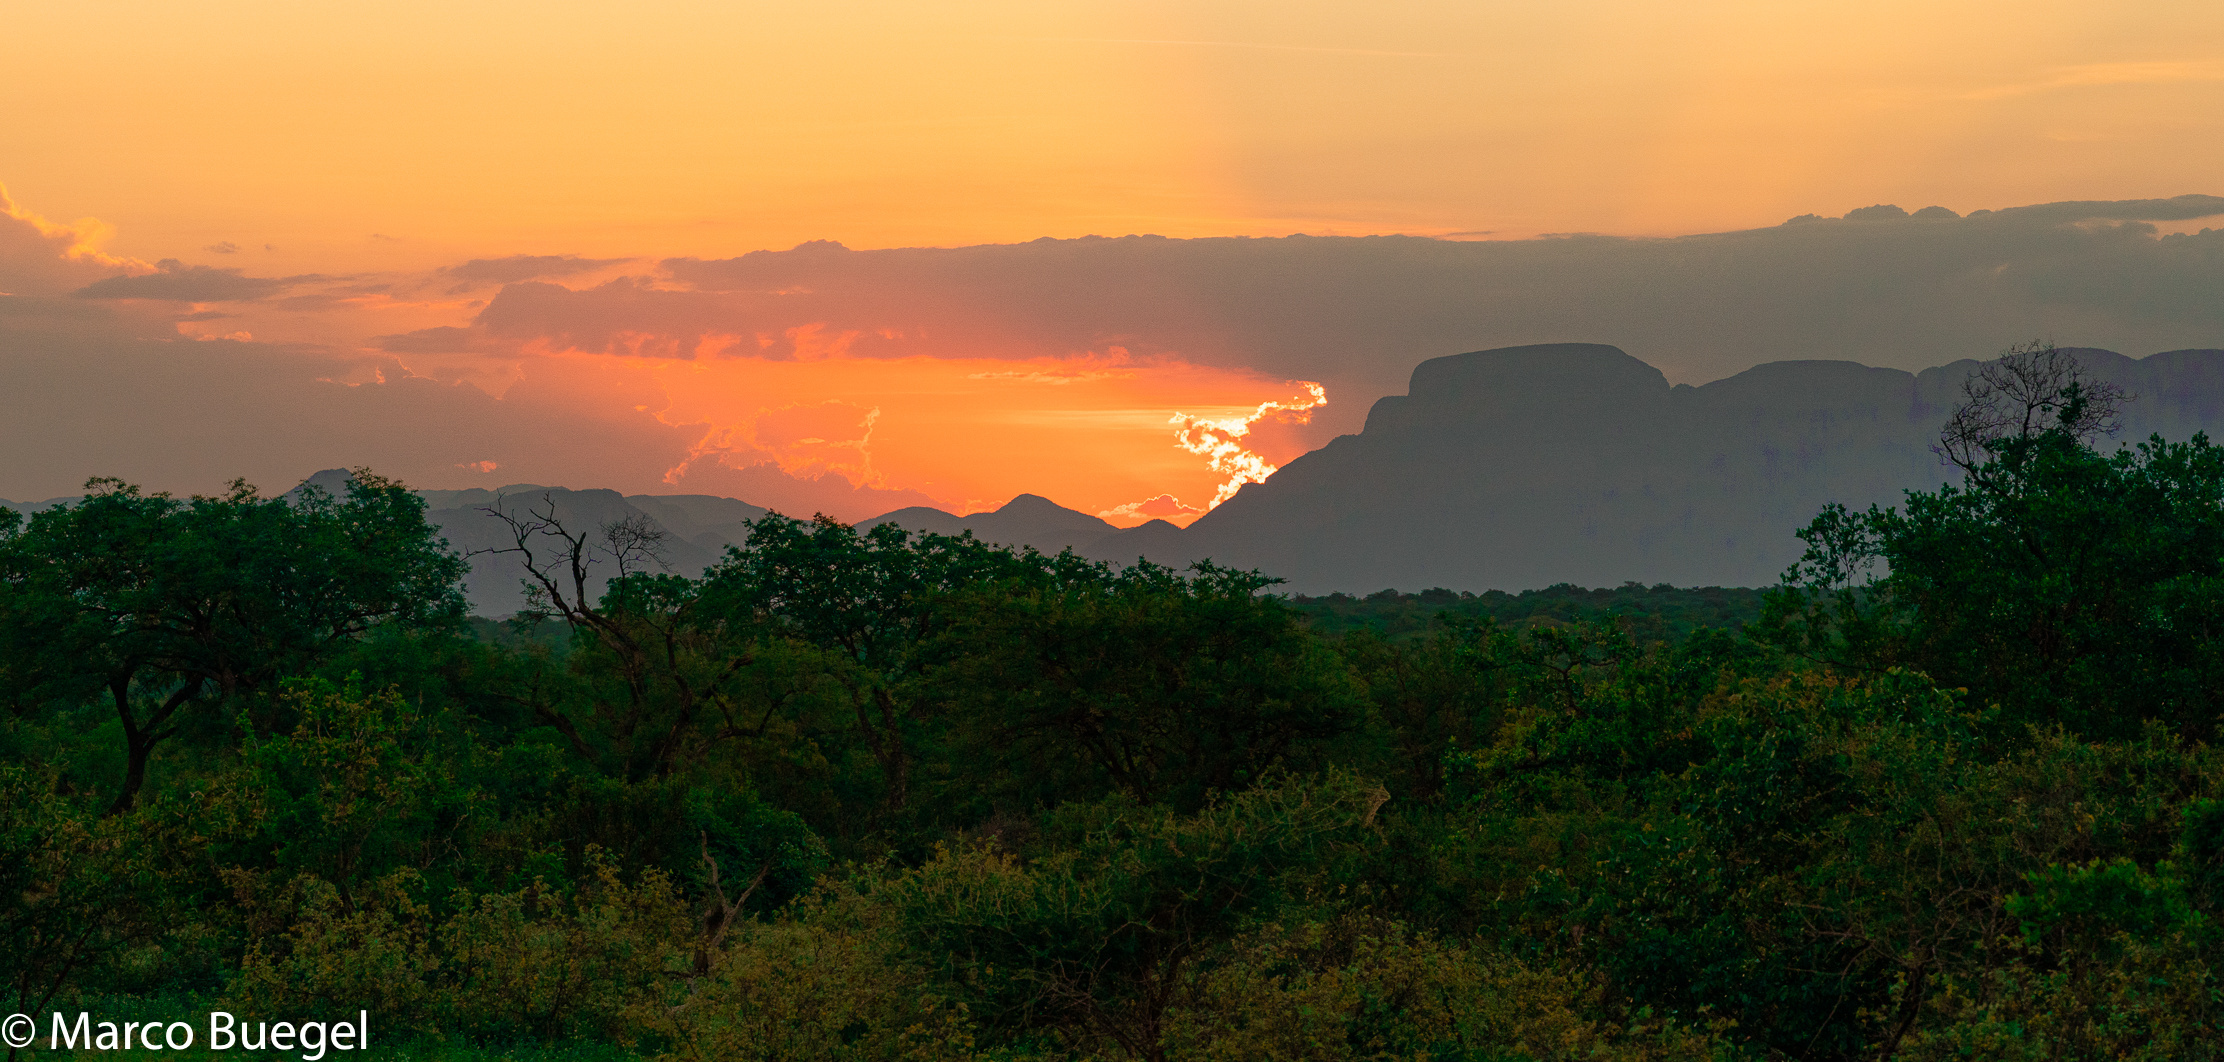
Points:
x=1162 y=685
x=165 y=605
x=869 y=600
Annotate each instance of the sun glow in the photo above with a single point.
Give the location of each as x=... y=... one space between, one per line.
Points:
x=1088 y=432
x=1220 y=441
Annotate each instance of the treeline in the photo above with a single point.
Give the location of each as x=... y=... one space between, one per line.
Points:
x=1948 y=792
x=1657 y=612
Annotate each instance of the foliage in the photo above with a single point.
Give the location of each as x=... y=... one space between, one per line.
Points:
x=1096 y=937
x=164 y=605
x=1141 y=682
x=1359 y=988
x=2057 y=582
x=1654 y=612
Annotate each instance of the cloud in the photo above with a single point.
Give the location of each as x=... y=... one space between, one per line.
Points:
x=1063 y=375
x=98 y=386
x=628 y=315
x=2093 y=75
x=1163 y=507
x=1355 y=314
x=174 y=281
x=444 y=339
x=222 y=247
x=815 y=443
x=177 y=415
x=2180 y=208
x=43 y=258
x=1220 y=441
x=518 y=267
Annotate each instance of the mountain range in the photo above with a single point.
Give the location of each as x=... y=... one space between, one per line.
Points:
x=1523 y=467
x=1505 y=469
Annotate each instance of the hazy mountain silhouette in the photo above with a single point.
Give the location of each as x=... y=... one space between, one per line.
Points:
x=1527 y=466
x=1027 y=520
x=1504 y=469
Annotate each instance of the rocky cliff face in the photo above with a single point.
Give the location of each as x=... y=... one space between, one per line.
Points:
x=1528 y=466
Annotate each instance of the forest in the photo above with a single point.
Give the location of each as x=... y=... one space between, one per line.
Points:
x=1948 y=791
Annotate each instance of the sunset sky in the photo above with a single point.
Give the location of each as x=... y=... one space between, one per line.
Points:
x=554 y=205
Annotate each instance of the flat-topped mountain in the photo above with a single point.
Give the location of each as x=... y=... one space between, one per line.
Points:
x=1528 y=466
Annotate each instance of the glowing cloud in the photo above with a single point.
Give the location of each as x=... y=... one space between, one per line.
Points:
x=77 y=242
x=1219 y=441
x=1163 y=507
x=831 y=436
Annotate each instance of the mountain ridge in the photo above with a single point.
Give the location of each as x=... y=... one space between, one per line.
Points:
x=1506 y=469
x=1523 y=467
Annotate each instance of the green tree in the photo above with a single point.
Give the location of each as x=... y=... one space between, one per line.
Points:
x=163 y=605
x=866 y=602
x=1149 y=682
x=2056 y=581
x=1096 y=937
x=73 y=889
x=1433 y=696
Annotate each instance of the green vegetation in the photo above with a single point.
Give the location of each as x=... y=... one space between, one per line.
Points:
x=1947 y=793
x=1659 y=612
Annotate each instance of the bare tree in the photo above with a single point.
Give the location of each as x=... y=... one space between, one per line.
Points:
x=636 y=541
x=2032 y=389
x=558 y=561
x=671 y=670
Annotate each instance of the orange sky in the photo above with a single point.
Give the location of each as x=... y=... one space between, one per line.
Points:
x=710 y=128
x=1094 y=432
x=355 y=139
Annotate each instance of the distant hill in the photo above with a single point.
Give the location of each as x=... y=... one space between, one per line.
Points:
x=1526 y=467
x=1027 y=520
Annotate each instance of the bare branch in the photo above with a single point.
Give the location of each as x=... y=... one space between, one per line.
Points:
x=636 y=541
x=2032 y=389
x=545 y=570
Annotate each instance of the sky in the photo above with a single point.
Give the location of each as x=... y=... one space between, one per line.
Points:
x=787 y=252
